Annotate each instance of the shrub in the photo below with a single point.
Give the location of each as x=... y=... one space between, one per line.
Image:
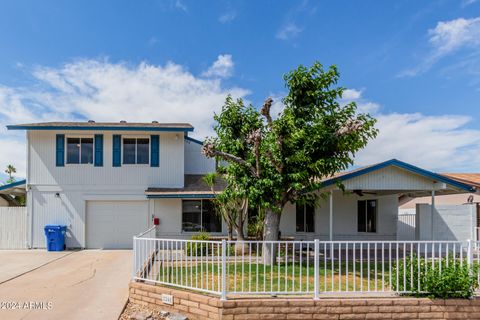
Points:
x=197 y=248
x=446 y=278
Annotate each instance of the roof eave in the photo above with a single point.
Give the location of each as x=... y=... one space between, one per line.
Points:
x=180 y=195
x=13 y=185
x=406 y=166
x=100 y=128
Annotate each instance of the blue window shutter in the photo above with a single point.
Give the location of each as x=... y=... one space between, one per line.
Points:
x=99 y=150
x=60 y=150
x=117 y=150
x=154 y=151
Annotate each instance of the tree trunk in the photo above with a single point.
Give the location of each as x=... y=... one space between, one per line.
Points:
x=240 y=246
x=230 y=232
x=239 y=228
x=270 y=233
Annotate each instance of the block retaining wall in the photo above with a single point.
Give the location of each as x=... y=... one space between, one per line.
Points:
x=201 y=307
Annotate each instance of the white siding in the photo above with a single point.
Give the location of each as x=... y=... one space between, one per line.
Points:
x=389 y=178
x=195 y=161
x=42 y=169
x=75 y=184
x=13 y=227
x=345 y=219
x=169 y=211
x=69 y=208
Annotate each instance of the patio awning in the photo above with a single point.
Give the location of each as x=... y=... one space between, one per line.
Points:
x=17 y=188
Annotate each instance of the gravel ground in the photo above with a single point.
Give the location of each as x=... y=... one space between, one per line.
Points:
x=131 y=309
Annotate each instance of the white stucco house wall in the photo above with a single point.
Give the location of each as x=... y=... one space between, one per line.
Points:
x=107 y=181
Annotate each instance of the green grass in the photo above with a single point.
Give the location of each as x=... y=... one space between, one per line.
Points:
x=277 y=278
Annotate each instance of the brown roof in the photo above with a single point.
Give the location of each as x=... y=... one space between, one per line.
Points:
x=93 y=125
x=194 y=184
x=469 y=178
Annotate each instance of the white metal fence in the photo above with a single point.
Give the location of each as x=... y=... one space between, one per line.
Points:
x=297 y=267
x=13 y=227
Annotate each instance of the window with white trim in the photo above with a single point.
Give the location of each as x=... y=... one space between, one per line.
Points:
x=136 y=150
x=79 y=150
x=305 y=220
x=367 y=216
x=200 y=215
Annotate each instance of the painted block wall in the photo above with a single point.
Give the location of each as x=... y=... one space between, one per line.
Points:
x=450 y=222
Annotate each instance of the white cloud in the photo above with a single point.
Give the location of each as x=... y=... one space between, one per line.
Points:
x=221 y=68
x=351 y=94
x=104 y=91
x=288 y=31
x=363 y=105
x=440 y=143
x=227 y=17
x=466 y=3
x=446 y=38
x=180 y=5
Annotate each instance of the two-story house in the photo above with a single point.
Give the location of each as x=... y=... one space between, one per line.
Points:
x=107 y=181
x=95 y=177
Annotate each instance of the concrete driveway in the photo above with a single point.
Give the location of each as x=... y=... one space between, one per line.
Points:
x=89 y=284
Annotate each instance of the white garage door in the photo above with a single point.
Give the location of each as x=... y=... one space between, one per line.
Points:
x=112 y=224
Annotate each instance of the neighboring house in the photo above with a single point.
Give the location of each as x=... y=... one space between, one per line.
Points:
x=456 y=216
x=107 y=181
x=9 y=191
x=472 y=179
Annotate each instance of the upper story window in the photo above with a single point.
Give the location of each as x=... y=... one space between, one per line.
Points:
x=305 y=221
x=136 y=150
x=367 y=216
x=79 y=150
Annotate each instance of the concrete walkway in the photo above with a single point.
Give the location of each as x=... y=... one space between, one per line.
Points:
x=89 y=284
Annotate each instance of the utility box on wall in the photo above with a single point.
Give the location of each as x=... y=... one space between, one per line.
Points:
x=450 y=222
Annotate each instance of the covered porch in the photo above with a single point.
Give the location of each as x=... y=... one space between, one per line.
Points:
x=367 y=208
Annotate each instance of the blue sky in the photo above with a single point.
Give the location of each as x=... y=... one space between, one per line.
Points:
x=415 y=65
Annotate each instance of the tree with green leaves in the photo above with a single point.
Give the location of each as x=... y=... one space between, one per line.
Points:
x=10 y=171
x=276 y=160
x=231 y=204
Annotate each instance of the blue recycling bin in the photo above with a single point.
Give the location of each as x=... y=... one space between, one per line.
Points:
x=55 y=237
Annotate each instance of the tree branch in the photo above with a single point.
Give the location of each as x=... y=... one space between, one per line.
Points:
x=209 y=151
x=350 y=127
x=255 y=138
x=265 y=111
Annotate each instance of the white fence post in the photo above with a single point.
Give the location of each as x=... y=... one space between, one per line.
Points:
x=134 y=265
x=315 y=270
x=224 y=270
x=469 y=252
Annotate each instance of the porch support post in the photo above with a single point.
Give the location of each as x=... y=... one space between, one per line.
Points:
x=331 y=217
x=431 y=214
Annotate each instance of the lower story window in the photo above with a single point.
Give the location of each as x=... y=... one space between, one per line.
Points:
x=200 y=215
x=367 y=216
x=305 y=218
